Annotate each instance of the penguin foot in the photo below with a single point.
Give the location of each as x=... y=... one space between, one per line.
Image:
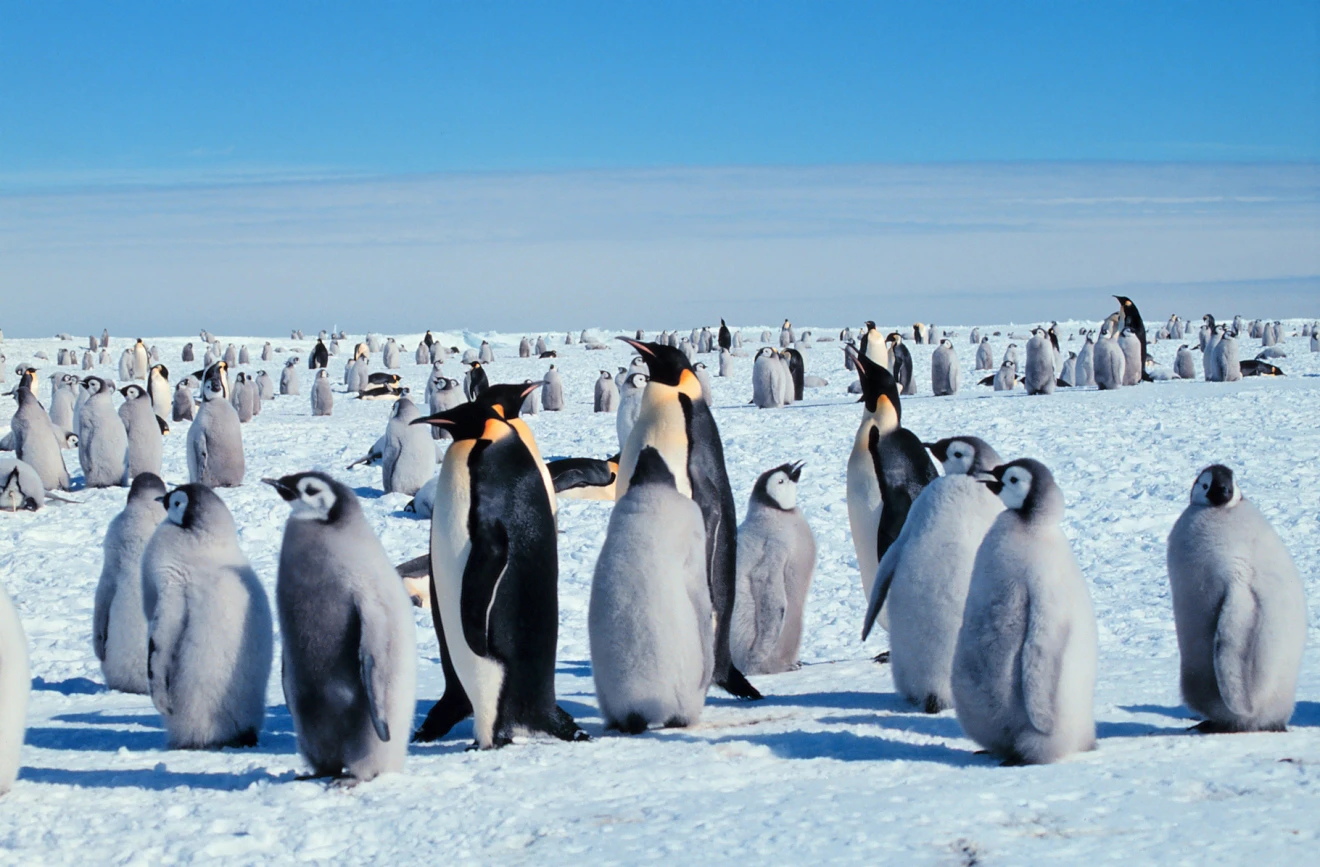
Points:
x=561 y=725
x=1211 y=727
x=446 y=713
x=737 y=686
x=1013 y=762
x=882 y=657
x=676 y=722
x=243 y=740
x=932 y=705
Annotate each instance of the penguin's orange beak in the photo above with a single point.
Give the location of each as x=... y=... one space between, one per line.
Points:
x=638 y=345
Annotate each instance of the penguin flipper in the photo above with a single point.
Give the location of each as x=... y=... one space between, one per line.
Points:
x=737 y=686
x=1042 y=655
x=481 y=579
x=1237 y=651
x=884 y=577
x=373 y=681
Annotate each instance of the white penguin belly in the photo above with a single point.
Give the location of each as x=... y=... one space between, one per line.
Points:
x=662 y=426
x=864 y=507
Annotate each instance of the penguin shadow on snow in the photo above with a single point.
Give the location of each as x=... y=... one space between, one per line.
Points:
x=71 y=686
x=106 y=733
x=368 y=493
x=845 y=746
x=1306 y=714
x=151 y=779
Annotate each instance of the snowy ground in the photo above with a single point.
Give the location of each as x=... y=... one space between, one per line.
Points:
x=830 y=766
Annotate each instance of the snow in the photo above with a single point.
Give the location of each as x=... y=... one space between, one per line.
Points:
x=831 y=765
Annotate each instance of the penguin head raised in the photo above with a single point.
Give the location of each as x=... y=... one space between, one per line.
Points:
x=314 y=496
x=1027 y=487
x=506 y=399
x=160 y=370
x=469 y=421
x=966 y=455
x=777 y=488
x=668 y=367
x=1215 y=486
x=879 y=388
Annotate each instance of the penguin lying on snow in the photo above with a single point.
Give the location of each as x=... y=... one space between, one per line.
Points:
x=21 y=489
x=584 y=478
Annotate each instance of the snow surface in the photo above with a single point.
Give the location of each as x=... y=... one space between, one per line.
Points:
x=831 y=766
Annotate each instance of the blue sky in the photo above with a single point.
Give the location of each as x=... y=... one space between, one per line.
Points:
x=94 y=87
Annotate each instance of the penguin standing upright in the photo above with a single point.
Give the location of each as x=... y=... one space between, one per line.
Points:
x=475 y=382
x=1131 y=347
x=215 y=438
x=320 y=356
x=725 y=337
x=776 y=559
x=607 y=394
x=182 y=407
x=119 y=626
x=349 y=644
x=630 y=405
x=210 y=636
x=159 y=391
x=944 y=373
x=1184 y=365
x=1086 y=363
x=142 y=427
x=289 y=377
x=767 y=379
x=649 y=620
x=102 y=439
x=1133 y=322
x=36 y=441
x=677 y=422
x=552 y=391
x=797 y=371
x=1039 y=374
x=873 y=345
x=506 y=399
x=1239 y=608
x=900 y=364
x=15 y=686
x=1109 y=363
x=494 y=577
x=1024 y=666
x=408 y=456
x=1226 y=359
x=887 y=469
x=323 y=399
x=141 y=360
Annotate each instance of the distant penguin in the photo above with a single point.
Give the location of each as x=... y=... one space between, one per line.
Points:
x=105 y=338
x=15 y=685
x=985 y=359
x=1069 y=374
x=1024 y=668
x=1134 y=324
x=265 y=388
x=323 y=399
x=182 y=406
x=725 y=337
x=289 y=377
x=531 y=404
x=390 y=355
x=630 y=405
x=552 y=391
x=231 y=355
x=1038 y=377
x=349 y=643
x=541 y=347
x=243 y=398
x=776 y=559
x=187 y=354
x=1011 y=354
x=494 y=577
x=1210 y=357
x=524 y=348
x=677 y=422
x=1226 y=359
x=159 y=392
x=215 y=438
x=485 y=354
x=873 y=345
x=607 y=394
x=925 y=574
x=62 y=401
x=210 y=635
x=243 y=357
x=141 y=360
x=1109 y=364
x=88 y=361
x=1315 y=340
x=142 y=427
x=475 y=381
x=726 y=363
x=126 y=365
x=1086 y=363
x=408 y=457
x=102 y=439
x=1239 y=608
x=319 y=357
x=119 y=626
x=901 y=367
x=767 y=379
x=1132 y=357
x=267 y=351
x=649 y=620
x=1184 y=366
x=944 y=373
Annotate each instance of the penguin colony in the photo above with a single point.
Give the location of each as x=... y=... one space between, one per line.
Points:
x=986 y=606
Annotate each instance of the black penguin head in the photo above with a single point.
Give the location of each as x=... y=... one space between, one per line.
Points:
x=964 y=455
x=132 y=391
x=667 y=366
x=468 y=421
x=777 y=488
x=605 y=374
x=195 y=507
x=879 y=388
x=160 y=370
x=146 y=486
x=506 y=399
x=314 y=496
x=651 y=469
x=1215 y=486
x=96 y=385
x=1027 y=487
x=214 y=382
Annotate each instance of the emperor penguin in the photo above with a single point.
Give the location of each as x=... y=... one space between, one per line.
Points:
x=475 y=382
x=15 y=686
x=901 y=365
x=506 y=400
x=703 y=379
x=677 y=422
x=873 y=345
x=215 y=438
x=776 y=559
x=323 y=399
x=494 y=579
x=1133 y=323
x=985 y=359
x=944 y=373
x=231 y=355
x=1239 y=609
x=126 y=364
x=289 y=377
x=1109 y=364
x=1210 y=357
x=630 y=405
x=159 y=391
x=36 y=441
x=1315 y=339
x=725 y=337
x=265 y=388
x=267 y=351
x=1038 y=377
x=447 y=394
x=187 y=354
x=244 y=358
x=486 y=355
x=243 y=399
x=102 y=439
x=1010 y=354
x=649 y=621
x=1226 y=359
x=209 y=635
x=62 y=401
x=1132 y=357
x=1069 y=375
x=607 y=394
x=924 y=575
x=531 y=404
x=552 y=391
x=183 y=406
x=349 y=645
x=141 y=360
x=1184 y=365
x=390 y=355
x=320 y=357
x=119 y=626
x=1086 y=363
x=21 y=489
x=1024 y=667
x=726 y=363
x=142 y=426
x=887 y=469
x=767 y=379
x=408 y=456
x=541 y=347
x=524 y=348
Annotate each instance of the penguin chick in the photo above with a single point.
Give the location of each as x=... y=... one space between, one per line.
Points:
x=349 y=645
x=119 y=626
x=102 y=439
x=36 y=442
x=776 y=558
x=650 y=620
x=1239 y=609
x=323 y=399
x=1024 y=667
x=15 y=686
x=408 y=452
x=145 y=444
x=965 y=455
x=210 y=635
x=215 y=438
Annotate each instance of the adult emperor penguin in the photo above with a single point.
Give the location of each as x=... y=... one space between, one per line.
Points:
x=924 y=575
x=141 y=360
x=630 y=405
x=776 y=559
x=215 y=438
x=1024 y=668
x=507 y=401
x=183 y=406
x=15 y=685
x=320 y=356
x=944 y=373
x=1133 y=322
x=1038 y=377
x=797 y=372
x=1239 y=609
x=607 y=394
x=142 y=427
x=346 y=627
x=494 y=577
x=475 y=381
x=887 y=469
x=649 y=621
x=677 y=422
x=119 y=626
x=725 y=339
x=873 y=345
x=289 y=377
x=159 y=391
x=552 y=391
x=210 y=637
x=102 y=439
x=901 y=363
x=408 y=455
x=323 y=399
